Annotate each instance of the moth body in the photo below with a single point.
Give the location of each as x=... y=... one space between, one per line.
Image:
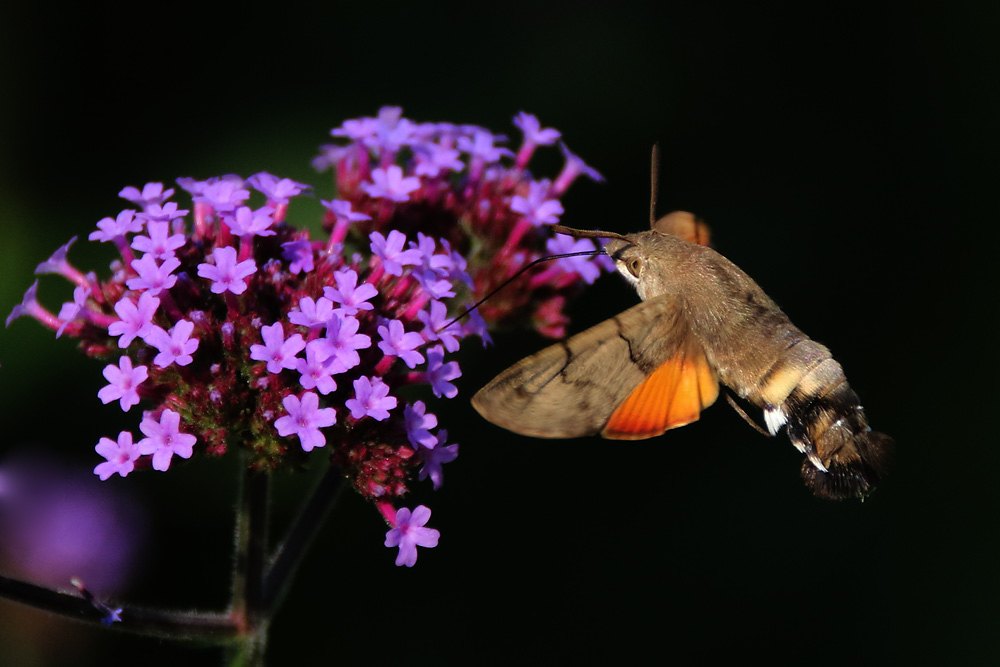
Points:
x=702 y=322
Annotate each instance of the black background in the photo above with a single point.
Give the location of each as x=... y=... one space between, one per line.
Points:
x=844 y=157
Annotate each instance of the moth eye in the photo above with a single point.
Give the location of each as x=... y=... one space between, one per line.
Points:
x=633 y=266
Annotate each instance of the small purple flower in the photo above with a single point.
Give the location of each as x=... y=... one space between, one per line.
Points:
x=433 y=459
x=175 y=346
x=390 y=251
x=356 y=129
x=399 y=343
x=534 y=136
x=390 y=184
x=330 y=155
x=533 y=132
x=73 y=309
x=305 y=419
x=371 y=398
x=159 y=244
x=226 y=274
x=392 y=131
x=222 y=194
x=164 y=439
x=439 y=373
x=152 y=193
x=248 y=222
x=561 y=244
x=342 y=211
x=475 y=325
x=152 y=277
x=57 y=263
x=435 y=320
x=276 y=351
x=112 y=230
x=418 y=425
x=312 y=313
x=276 y=190
x=574 y=167
x=299 y=255
x=535 y=207
x=136 y=320
x=161 y=213
x=121 y=456
x=316 y=370
x=435 y=286
x=433 y=158
x=124 y=380
x=409 y=532
x=343 y=340
x=349 y=294
x=481 y=146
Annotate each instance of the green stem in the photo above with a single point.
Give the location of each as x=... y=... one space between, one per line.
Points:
x=187 y=626
x=248 y=608
x=289 y=554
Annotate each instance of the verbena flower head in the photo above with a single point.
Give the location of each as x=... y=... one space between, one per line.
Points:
x=232 y=328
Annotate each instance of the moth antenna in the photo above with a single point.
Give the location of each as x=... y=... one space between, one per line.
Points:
x=512 y=279
x=654 y=182
x=587 y=233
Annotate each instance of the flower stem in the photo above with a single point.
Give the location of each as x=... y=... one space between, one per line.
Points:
x=247 y=608
x=184 y=625
x=288 y=555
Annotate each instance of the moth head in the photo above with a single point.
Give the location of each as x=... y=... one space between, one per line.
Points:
x=628 y=259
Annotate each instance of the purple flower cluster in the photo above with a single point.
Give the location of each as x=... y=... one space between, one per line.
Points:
x=240 y=330
x=455 y=182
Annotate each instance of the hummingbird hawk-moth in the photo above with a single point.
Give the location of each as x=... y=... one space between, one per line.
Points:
x=702 y=322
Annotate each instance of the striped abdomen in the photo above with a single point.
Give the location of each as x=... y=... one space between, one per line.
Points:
x=806 y=392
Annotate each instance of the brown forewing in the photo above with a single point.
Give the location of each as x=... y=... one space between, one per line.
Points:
x=572 y=388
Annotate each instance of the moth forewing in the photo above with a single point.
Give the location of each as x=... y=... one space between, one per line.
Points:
x=575 y=387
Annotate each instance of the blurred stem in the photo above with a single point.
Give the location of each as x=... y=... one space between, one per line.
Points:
x=212 y=628
x=257 y=591
x=247 y=608
x=293 y=548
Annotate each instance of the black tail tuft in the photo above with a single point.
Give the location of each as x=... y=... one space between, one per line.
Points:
x=854 y=476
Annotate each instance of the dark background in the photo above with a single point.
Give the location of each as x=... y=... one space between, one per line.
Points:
x=845 y=159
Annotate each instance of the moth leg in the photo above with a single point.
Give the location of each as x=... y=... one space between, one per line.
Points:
x=742 y=413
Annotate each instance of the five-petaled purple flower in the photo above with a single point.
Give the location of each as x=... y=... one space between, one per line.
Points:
x=409 y=533
x=136 y=319
x=351 y=296
x=390 y=251
x=343 y=340
x=371 y=398
x=305 y=419
x=123 y=383
x=226 y=274
x=153 y=277
x=399 y=343
x=277 y=351
x=121 y=456
x=160 y=243
x=175 y=346
x=439 y=373
x=537 y=208
x=434 y=458
x=418 y=425
x=390 y=184
x=164 y=439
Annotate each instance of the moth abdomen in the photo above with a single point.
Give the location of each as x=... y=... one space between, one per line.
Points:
x=855 y=476
x=845 y=458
